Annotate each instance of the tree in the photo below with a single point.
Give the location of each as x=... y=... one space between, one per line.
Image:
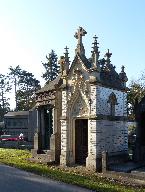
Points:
x=28 y=85
x=14 y=77
x=5 y=87
x=25 y=85
x=51 y=67
x=135 y=94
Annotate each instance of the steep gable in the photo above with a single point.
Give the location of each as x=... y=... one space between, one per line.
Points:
x=80 y=63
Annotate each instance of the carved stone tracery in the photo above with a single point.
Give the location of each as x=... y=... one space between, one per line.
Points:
x=80 y=108
x=45 y=98
x=79 y=83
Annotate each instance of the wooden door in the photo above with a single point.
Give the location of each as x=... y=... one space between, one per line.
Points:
x=81 y=141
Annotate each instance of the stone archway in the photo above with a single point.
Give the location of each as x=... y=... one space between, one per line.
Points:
x=78 y=127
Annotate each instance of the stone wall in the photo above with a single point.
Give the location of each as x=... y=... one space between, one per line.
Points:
x=106 y=134
x=103 y=107
x=112 y=136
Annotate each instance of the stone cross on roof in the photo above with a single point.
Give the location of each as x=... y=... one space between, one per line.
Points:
x=66 y=49
x=95 y=39
x=78 y=35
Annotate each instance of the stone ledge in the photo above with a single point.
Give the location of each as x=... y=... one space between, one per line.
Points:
x=107 y=117
x=63 y=118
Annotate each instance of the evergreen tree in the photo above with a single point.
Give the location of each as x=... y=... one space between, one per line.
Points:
x=28 y=85
x=51 y=67
x=25 y=87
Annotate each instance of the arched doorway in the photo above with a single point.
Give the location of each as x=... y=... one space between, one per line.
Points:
x=81 y=141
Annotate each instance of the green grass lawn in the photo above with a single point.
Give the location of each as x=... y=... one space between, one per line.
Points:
x=19 y=159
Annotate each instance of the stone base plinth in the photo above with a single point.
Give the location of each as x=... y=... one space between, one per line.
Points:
x=66 y=159
x=46 y=156
x=37 y=141
x=93 y=163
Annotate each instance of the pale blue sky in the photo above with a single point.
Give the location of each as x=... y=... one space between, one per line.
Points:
x=29 y=29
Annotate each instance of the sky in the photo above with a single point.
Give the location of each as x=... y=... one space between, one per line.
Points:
x=30 y=29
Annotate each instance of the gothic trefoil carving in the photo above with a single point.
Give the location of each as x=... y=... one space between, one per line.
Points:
x=79 y=83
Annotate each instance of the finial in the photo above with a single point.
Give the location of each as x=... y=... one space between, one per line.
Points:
x=95 y=53
x=78 y=35
x=62 y=60
x=95 y=47
x=123 y=76
x=66 y=49
x=122 y=68
x=108 y=55
x=95 y=38
x=66 y=54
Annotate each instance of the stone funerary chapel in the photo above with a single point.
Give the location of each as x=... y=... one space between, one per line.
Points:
x=83 y=112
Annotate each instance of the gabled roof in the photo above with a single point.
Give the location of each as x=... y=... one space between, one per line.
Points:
x=84 y=60
x=50 y=85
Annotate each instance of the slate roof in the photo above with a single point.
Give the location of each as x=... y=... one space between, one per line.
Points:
x=51 y=85
x=16 y=113
x=108 y=78
x=111 y=77
x=85 y=61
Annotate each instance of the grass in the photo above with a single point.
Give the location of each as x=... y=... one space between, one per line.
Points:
x=18 y=158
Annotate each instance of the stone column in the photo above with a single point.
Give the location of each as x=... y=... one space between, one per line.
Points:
x=91 y=159
x=52 y=137
x=64 y=157
x=53 y=120
x=91 y=162
x=37 y=145
x=42 y=130
x=64 y=143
